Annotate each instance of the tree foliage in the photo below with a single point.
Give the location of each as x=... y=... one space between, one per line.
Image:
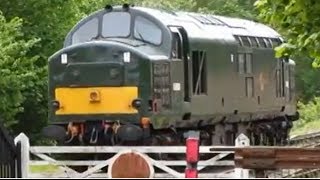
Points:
x=48 y=22
x=17 y=71
x=233 y=8
x=299 y=21
x=307 y=79
x=309 y=116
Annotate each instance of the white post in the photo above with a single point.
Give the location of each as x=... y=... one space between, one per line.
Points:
x=25 y=147
x=241 y=141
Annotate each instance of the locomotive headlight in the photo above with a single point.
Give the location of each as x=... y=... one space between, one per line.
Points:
x=94 y=96
x=136 y=103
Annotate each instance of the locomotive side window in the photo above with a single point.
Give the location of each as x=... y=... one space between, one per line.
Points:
x=116 y=24
x=176 y=46
x=146 y=30
x=199 y=72
x=245 y=63
x=241 y=63
x=86 y=32
x=249 y=63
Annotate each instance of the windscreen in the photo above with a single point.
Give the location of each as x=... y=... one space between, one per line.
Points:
x=116 y=24
x=146 y=30
x=86 y=32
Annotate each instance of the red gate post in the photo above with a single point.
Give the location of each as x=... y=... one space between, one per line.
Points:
x=192 y=155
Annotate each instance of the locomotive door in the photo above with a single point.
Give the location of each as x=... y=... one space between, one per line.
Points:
x=180 y=51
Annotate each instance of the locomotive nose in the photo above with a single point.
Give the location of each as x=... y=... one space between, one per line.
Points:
x=94 y=80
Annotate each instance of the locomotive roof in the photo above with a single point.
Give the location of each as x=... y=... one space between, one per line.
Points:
x=204 y=26
x=208 y=25
x=198 y=27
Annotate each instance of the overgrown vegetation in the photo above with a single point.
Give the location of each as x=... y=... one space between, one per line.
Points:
x=299 y=21
x=17 y=71
x=309 y=117
x=32 y=30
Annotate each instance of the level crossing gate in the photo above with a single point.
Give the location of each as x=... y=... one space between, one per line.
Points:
x=158 y=168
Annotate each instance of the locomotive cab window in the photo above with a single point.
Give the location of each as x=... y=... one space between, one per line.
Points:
x=86 y=32
x=199 y=72
x=147 y=31
x=176 y=46
x=248 y=63
x=116 y=24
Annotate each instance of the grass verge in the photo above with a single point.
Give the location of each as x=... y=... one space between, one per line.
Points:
x=43 y=168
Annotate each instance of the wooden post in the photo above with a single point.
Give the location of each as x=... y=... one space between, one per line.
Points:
x=241 y=141
x=25 y=158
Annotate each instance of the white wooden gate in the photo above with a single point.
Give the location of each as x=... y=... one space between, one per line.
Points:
x=44 y=155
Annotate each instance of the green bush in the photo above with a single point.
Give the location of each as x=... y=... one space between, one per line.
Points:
x=309 y=117
x=17 y=71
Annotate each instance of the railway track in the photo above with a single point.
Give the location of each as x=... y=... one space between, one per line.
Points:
x=310 y=140
x=306 y=140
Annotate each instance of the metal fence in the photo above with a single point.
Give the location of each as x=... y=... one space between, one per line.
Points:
x=10 y=155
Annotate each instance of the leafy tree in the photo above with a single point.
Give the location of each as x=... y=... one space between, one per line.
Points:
x=309 y=115
x=162 y=4
x=167 y=4
x=299 y=21
x=48 y=22
x=233 y=8
x=17 y=71
x=307 y=79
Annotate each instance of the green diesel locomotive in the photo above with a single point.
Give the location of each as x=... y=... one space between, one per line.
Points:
x=139 y=76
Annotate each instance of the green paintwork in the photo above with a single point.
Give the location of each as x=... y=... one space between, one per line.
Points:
x=224 y=83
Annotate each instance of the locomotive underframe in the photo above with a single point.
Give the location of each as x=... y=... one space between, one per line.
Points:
x=272 y=131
